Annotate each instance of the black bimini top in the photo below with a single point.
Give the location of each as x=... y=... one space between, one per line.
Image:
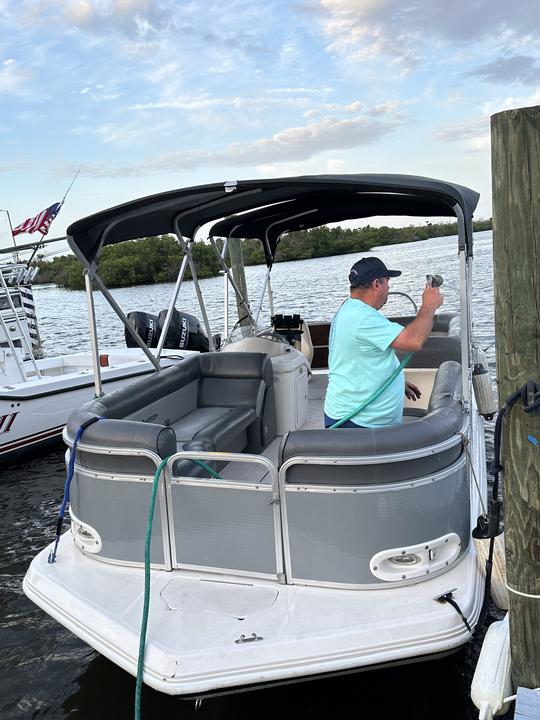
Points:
x=265 y=209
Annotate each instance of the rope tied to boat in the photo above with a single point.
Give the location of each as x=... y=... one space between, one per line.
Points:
x=448 y=597
x=465 y=441
x=67 y=486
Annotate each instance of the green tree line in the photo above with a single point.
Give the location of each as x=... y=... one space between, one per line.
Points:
x=157 y=259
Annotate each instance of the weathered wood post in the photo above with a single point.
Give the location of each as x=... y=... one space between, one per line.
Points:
x=236 y=257
x=515 y=137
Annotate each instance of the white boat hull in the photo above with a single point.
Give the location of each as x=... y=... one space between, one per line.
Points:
x=34 y=412
x=196 y=620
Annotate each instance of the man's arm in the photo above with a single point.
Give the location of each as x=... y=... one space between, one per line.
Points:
x=412 y=337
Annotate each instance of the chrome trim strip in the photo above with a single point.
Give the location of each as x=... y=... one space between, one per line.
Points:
x=224 y=571
x=384 y=487
x=133 y=452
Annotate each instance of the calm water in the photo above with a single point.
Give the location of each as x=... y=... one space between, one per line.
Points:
x=45 y=672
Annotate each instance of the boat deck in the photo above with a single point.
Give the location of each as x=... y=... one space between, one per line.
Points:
x=209 y=631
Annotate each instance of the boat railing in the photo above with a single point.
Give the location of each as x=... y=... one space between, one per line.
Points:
x=355 y=535
x=109 y=507
x=226 y=524
x=217 y=524
x=12 y=275
x=18 y=273
x=259 y=525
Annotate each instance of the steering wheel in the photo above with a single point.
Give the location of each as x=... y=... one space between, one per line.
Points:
x=395 y=292
x=272 y=335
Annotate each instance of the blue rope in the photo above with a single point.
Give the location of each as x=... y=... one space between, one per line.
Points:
x=67 y=487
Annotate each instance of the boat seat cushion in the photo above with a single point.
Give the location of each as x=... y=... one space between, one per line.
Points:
x=436 y=350
x=217 y=426
x=189 y=425
x=224 y=399
x=443 y=420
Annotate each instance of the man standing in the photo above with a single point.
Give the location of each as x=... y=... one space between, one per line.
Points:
x=362 y=349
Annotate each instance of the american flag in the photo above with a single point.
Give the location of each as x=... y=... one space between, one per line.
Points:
x=41 y=222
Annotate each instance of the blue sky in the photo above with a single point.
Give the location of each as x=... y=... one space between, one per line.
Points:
x=144 y=96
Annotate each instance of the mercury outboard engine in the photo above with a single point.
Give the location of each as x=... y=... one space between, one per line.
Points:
x=185 y=331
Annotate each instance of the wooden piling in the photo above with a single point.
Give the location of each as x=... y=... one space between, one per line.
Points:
x=515 y=137
x=236 y=257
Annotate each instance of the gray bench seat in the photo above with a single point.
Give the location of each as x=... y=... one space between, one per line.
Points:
x=218 y=426
x=212 y=402
x=444 y=418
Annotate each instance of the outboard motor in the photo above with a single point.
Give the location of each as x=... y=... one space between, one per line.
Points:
x=185 y=332
x=147 y=327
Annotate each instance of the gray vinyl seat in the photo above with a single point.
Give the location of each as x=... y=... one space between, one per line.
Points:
x=443 y=419
x=208 y=402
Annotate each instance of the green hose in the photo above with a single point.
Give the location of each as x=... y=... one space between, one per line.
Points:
x=376 y=394
x=146 y=602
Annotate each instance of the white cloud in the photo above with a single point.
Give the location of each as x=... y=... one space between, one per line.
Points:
x=14 y=79
x=292 y=144
x=509 y=103
x=510 y=69
x=119 y=135
x=100 y=93
x=466 y=129
x=367 y=29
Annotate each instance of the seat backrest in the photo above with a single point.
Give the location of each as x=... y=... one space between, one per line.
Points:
x=443 y=420
x=234 y=379
x=436 y=350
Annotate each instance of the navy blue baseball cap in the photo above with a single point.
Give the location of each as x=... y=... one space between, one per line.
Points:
x=368 y=269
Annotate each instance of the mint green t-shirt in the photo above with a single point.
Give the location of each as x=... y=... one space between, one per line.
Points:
x=360 y=360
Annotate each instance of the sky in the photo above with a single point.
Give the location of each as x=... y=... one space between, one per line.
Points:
x=144 y=96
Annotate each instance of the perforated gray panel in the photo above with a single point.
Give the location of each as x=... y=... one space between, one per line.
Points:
x=224 y=528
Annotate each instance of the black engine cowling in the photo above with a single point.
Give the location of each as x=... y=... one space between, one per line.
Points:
x=146 y=325
x=185 y=331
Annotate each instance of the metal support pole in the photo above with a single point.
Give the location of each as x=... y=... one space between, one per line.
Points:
x=270 y=294
x=93 y=335
x=265 y=284
x=227 y=272
x=225 y=306
x=170 y=309
x=117 y=309
x=465 y=327
x=187 y=250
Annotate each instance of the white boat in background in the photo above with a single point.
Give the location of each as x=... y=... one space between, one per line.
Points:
x=37 y=393
x=280 y=550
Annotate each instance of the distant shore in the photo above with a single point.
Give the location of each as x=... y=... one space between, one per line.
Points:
x=157 y=259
